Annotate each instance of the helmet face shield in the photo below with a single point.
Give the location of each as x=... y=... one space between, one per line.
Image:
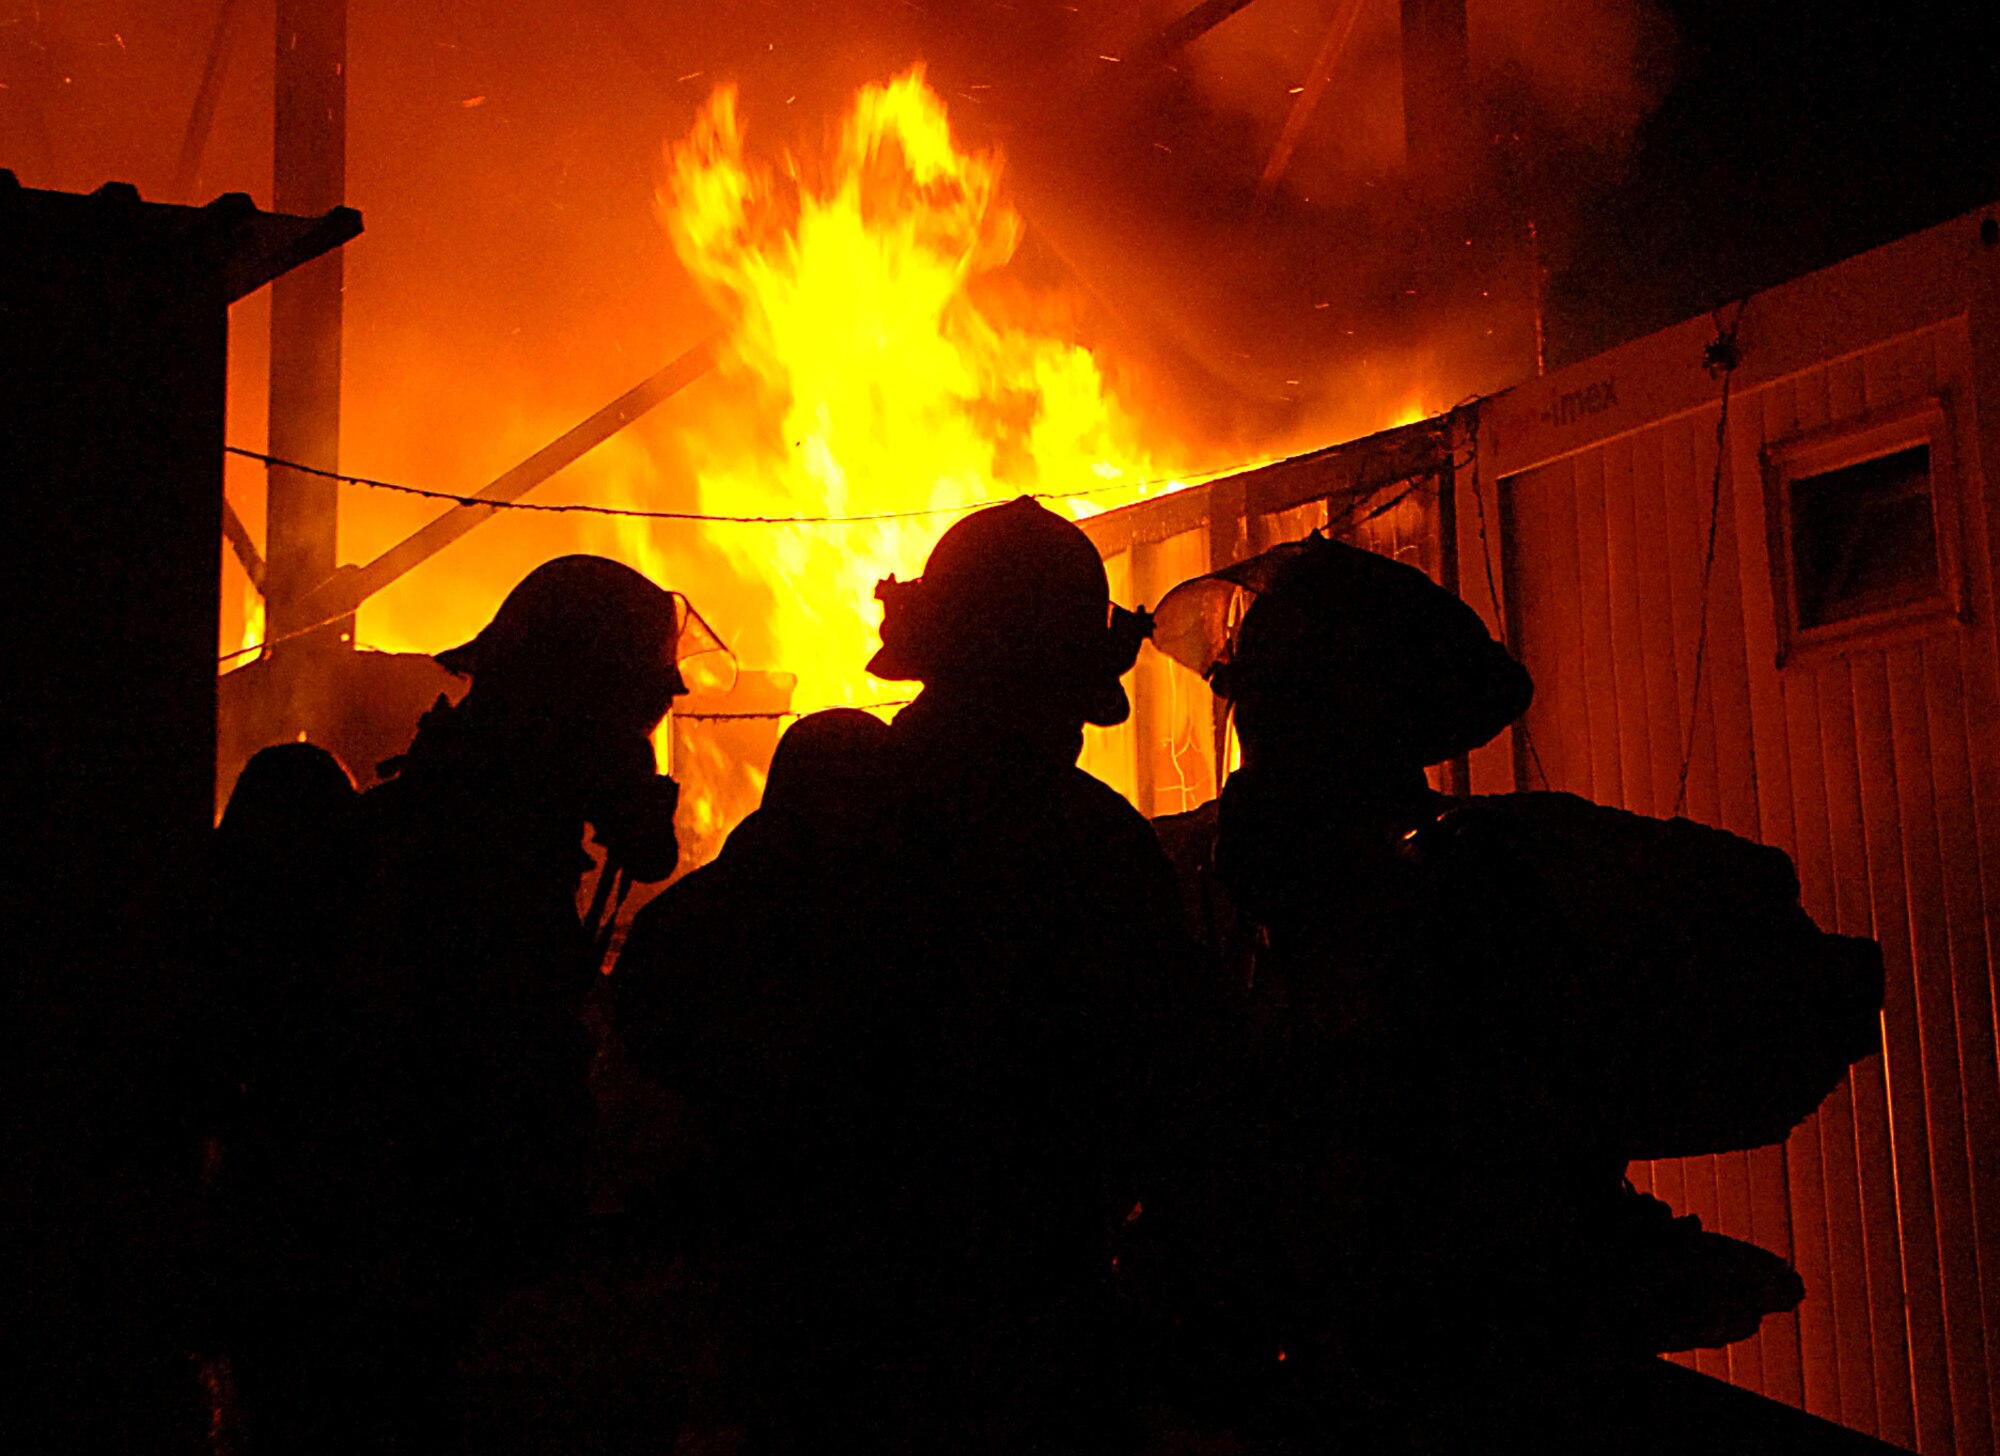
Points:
x=1318 y=632
x=1196 y=623
x=596 y=634
x=701 y=660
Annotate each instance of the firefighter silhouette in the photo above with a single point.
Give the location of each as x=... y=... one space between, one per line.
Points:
x=1475 y=1012
x=930 y=1011
x=429 y=1148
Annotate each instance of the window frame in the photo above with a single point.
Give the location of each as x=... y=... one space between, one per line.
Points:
x=1855 y=441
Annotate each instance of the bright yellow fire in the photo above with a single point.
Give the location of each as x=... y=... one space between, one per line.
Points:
x=882 y=363
x=253 y=619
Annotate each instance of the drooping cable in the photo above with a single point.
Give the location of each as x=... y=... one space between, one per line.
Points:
x=1492 y=585
x=710 y=518
x=1720 y=357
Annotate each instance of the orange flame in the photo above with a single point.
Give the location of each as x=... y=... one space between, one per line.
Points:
x=879 y=364
x=876 y=357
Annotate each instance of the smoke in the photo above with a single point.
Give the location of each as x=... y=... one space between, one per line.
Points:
x=1594 y=68
x=1352 y=287
x=1582 y=73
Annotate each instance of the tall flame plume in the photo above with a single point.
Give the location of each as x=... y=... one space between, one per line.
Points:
x=876 y=361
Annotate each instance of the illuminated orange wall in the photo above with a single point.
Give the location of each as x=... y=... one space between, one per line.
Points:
x=1580 y=519
x=1878 y=770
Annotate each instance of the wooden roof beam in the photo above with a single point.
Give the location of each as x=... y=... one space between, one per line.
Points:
x=1191 y=27
x=201 y=119
x=350 y=586
x=238 y=537
x=1307 y=101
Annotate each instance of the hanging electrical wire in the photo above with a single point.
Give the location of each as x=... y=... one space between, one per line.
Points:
x=1721 y=356
x=1471 y=410
x=1348 y=508
x=708 y=518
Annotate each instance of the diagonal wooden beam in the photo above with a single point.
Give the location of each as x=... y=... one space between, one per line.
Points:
x=1303 y=105
x=344 y=591
x=1189 y=28
x=201 y=120
x=238 y=536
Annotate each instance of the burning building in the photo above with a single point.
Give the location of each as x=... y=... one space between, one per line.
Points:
x=1147 y=263
x=881 y=313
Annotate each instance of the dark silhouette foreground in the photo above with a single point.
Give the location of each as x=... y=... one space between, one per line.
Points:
x=980 y=1154
x=419 y=1140
x=933 y=1020
x=1458 y=1002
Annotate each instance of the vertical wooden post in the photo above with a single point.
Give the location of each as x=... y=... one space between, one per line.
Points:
x=310 y=176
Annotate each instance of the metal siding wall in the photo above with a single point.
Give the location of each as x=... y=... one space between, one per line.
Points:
x=1876 y=771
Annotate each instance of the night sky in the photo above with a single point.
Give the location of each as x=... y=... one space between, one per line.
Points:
x=1793 y=135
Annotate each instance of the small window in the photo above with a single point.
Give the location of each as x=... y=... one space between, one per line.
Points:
x=1864 y=538
x=1862 y=530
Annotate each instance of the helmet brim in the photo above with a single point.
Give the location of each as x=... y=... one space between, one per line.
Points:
x=699 y=659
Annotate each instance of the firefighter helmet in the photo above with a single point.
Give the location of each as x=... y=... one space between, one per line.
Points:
x=580 y=621
x=1013 y=595
x=1317 y=628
